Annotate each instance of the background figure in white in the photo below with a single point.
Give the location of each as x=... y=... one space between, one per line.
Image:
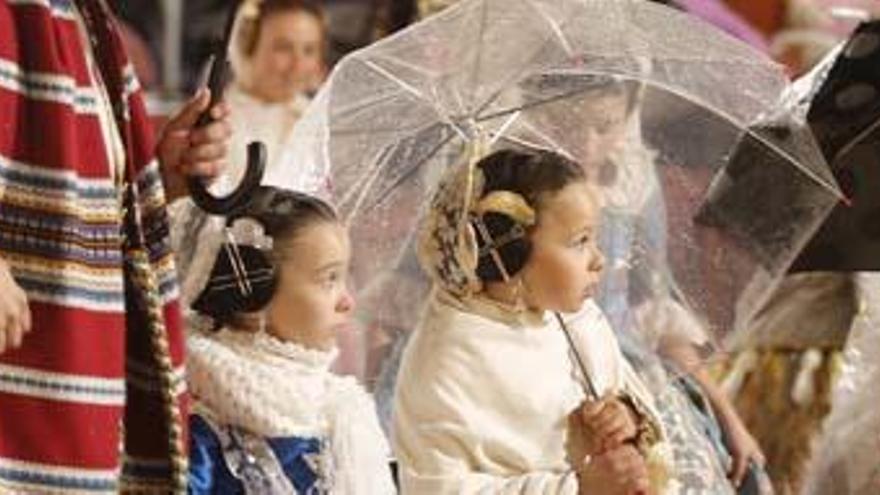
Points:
x=278 y=60
x=845 y=460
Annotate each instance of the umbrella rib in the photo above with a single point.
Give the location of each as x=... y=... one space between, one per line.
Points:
x=500 y=132
x=555 y=27
x=478 y=64
x=531 y=145
x=832 y=188
x=374 y=175
x=371 y=178
x=359 y=105
x=555 y=147
x=396 y=80
x=410 y=89
x=385 y=194
x=534 y=56
x=372 y=131
x=459 y=100
x=526 y=106
x=856 y=140
x=404 y=63
x=512 y=77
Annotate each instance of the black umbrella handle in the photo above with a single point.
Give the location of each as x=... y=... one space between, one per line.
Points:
x=219 y=72
x=256 y=151
x=225 y=205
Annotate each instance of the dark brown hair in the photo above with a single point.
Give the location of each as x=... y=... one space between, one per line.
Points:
x=532 y=174
x=284 y=214
x=528 y=172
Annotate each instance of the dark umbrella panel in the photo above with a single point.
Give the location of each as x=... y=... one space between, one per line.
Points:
x=837 y=106
x=845 y=118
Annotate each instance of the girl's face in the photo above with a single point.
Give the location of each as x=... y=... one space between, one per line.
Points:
x=565 y=264
x=288 y=58
x=605 y=120
x=602 y=118
x=312 y=302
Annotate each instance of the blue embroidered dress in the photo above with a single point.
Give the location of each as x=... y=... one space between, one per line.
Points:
x=214 y=449
x=271 y=418
x=633 y=240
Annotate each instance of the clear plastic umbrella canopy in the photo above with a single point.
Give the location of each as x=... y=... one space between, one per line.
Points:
x=650 y=102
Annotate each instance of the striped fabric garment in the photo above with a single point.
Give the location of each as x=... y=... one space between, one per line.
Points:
x=93 y=400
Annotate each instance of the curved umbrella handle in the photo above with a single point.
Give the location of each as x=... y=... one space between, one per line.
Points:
x=223 y=205
x=256 y=151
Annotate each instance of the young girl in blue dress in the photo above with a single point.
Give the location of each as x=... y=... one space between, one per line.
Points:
x=269 y=415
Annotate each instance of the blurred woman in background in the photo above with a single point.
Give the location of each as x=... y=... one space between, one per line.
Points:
x=278 y=59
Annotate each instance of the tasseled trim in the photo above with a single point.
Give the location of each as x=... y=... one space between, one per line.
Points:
x=783 y=396
x=743 y=365
x=804 y=392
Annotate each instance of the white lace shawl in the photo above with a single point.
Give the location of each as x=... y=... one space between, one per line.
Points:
x=279 y=389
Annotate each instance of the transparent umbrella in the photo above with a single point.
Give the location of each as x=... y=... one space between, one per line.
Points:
x=651 y=102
